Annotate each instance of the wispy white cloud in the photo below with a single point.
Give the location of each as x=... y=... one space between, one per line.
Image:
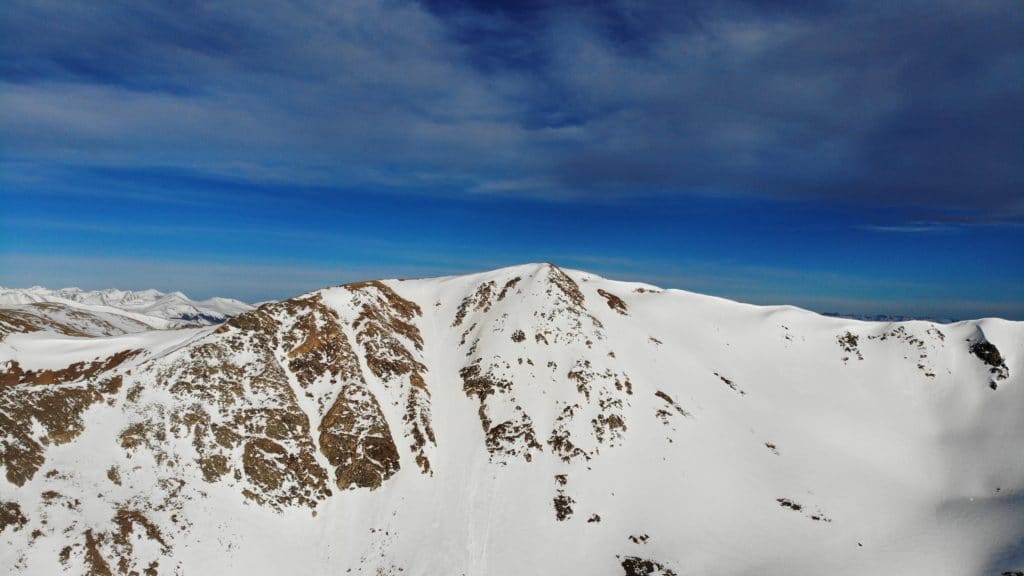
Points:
x=912 y=228
x=833 y=102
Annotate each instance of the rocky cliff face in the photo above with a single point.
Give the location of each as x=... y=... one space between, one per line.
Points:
x=526 y=420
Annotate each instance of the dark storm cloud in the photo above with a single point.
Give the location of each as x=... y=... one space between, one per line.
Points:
x=912 y=105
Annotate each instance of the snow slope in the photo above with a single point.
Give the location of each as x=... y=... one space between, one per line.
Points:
x=529 y=420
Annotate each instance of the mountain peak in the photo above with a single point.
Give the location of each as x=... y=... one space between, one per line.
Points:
x=530 y=419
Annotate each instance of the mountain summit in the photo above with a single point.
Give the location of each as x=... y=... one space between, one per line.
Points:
x=528 y=420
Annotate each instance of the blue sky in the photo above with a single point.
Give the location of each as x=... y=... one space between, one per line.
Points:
x=837 y=156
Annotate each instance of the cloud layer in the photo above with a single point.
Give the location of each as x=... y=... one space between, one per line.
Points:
x=913 y=105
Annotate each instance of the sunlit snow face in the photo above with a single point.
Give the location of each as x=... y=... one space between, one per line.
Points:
x=603 y=426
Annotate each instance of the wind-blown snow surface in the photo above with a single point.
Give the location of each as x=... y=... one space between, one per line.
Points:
x=72 y=311
x=528 y=420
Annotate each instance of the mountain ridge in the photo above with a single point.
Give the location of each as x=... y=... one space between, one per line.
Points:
x=75 y=312
x=530 y=419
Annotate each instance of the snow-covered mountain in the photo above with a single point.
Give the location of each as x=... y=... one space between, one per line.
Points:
x=529 y=420
x=72 y=311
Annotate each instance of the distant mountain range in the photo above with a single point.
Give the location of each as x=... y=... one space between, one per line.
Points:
x=891 y=318
x=527 y=420
x=73 y=311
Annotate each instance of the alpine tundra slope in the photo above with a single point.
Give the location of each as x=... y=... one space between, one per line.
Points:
x=529 y=420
